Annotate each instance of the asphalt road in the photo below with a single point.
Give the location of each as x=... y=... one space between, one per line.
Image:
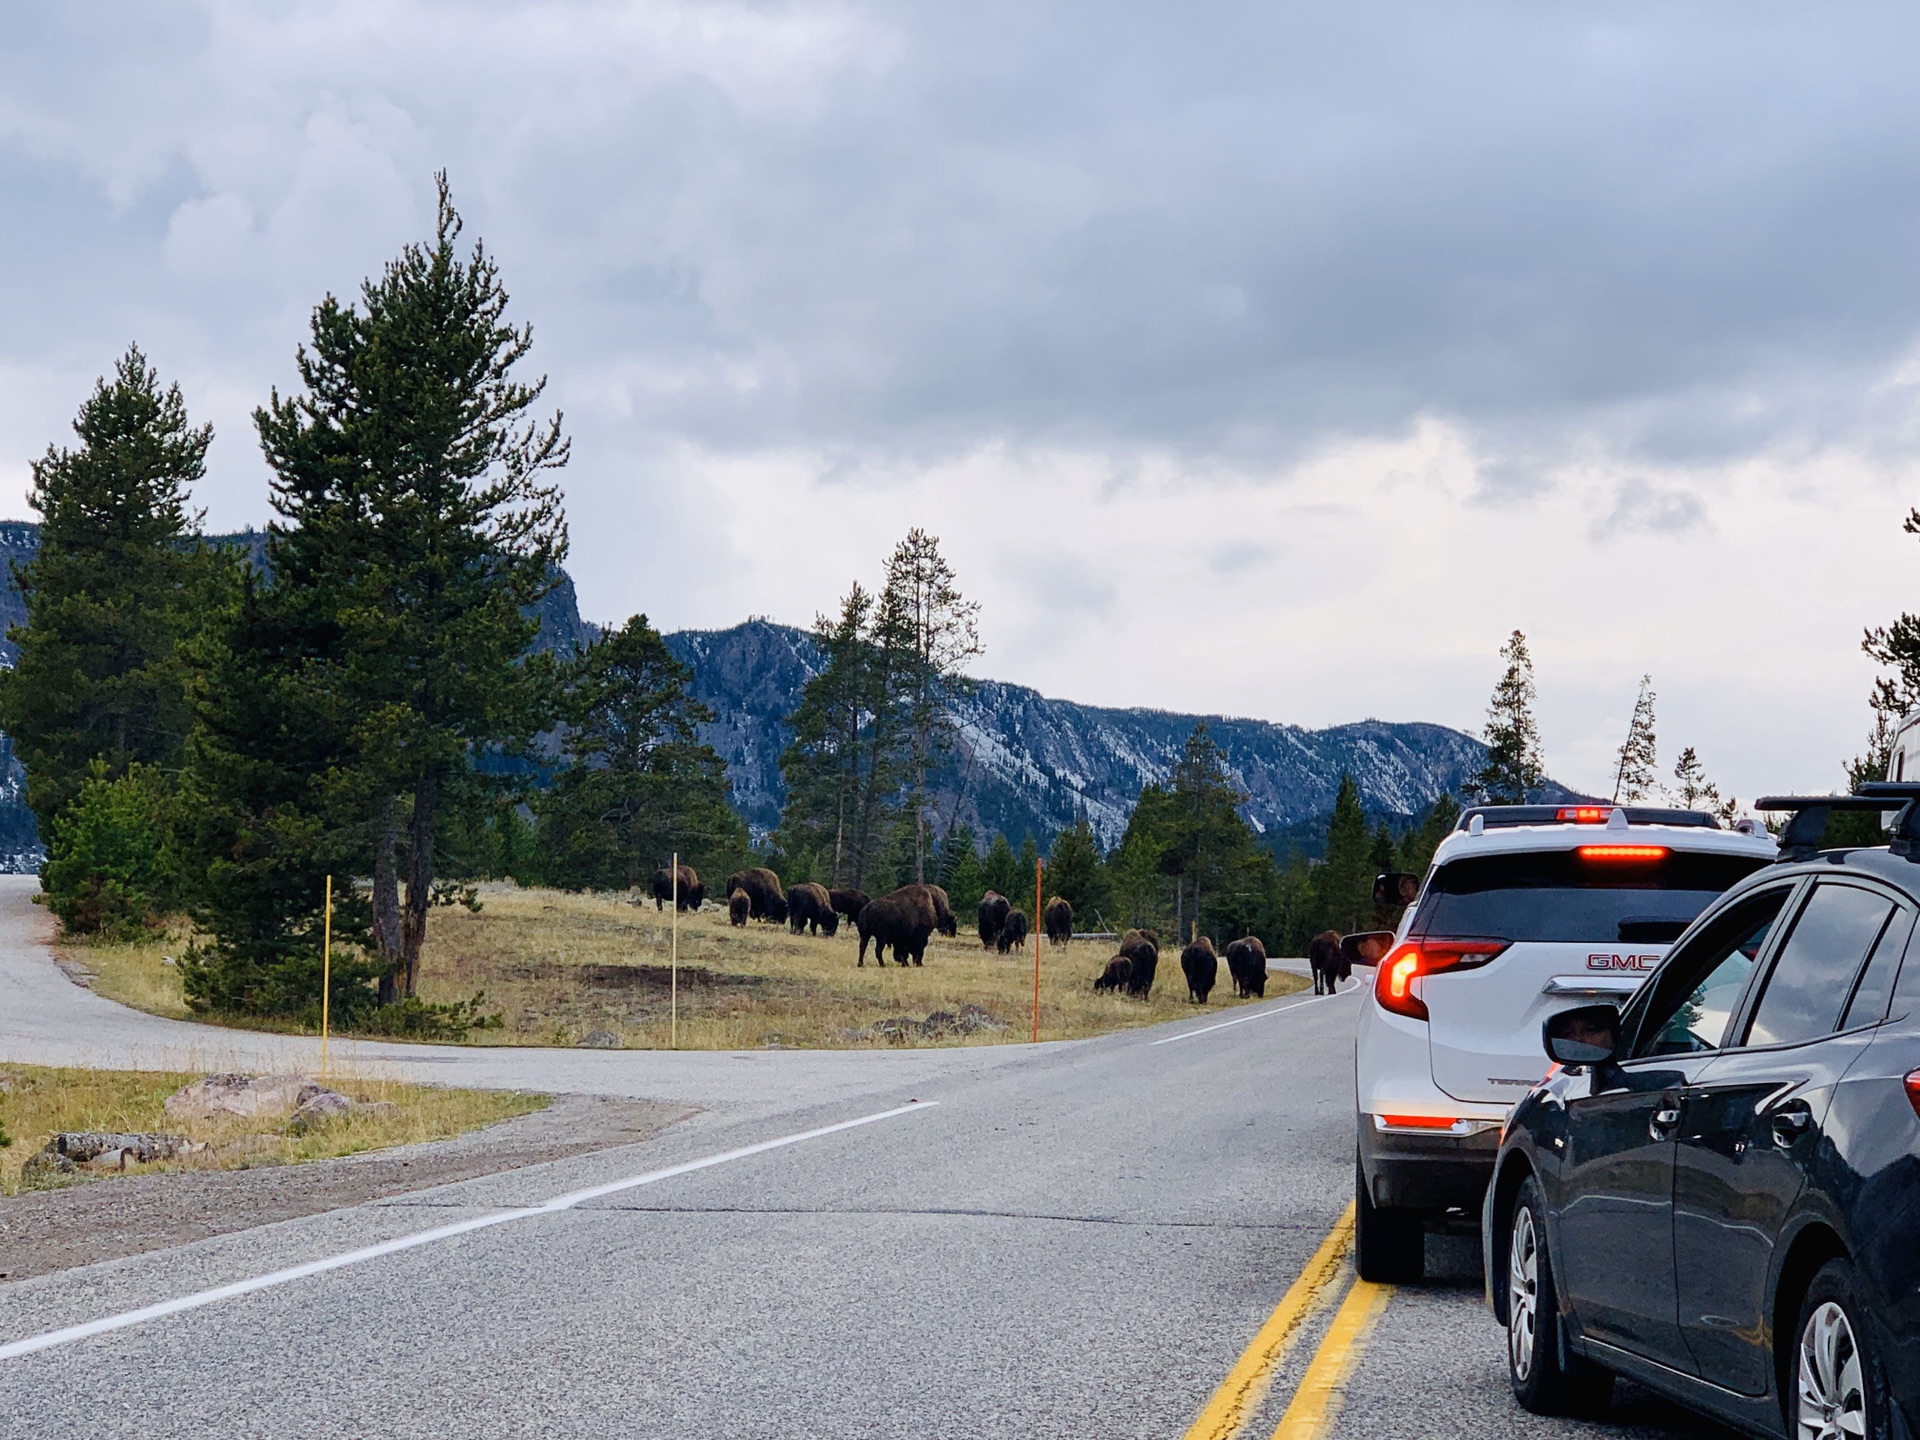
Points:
x=1080 y=1240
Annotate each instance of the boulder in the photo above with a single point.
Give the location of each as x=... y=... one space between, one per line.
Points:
x=600 y=1040
x=317 y=1110
x=250 y=1097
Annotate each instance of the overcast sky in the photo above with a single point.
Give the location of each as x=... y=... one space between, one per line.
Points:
x=1272 y=359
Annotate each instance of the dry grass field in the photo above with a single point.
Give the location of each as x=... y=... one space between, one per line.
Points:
x=35 y=1102
x=562 y=968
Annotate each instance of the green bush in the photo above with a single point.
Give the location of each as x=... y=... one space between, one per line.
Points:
x=415 y=1019
x=108 y=869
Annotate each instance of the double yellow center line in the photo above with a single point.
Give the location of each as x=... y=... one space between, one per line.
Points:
x=1317 y=1400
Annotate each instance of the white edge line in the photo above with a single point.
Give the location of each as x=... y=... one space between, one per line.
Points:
x=1245 y=1019
x=71 y=1333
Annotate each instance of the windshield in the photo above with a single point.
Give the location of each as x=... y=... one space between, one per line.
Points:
x=1555 y=895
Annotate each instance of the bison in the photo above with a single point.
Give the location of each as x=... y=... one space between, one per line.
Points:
x=1142 y=949
x=692 y=892
x=993 y=914
x=1058 y=917
x=943 y=920
x=810 y=910
x=1247 y=964
x=901 y=921
x=1013 y=931
x=764 y=894
x=1117 y=976
x=739 y=907
x=1201 y=967
x=1326 y=962
x=848 y=902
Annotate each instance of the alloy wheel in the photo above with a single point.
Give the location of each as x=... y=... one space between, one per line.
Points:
x=1523 y=1294
x=1833 y=1402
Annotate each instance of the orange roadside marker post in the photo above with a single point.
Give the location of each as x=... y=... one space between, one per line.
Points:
x=326 y=974
x=1037 y=863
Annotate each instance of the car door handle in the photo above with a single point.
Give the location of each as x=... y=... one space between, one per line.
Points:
x=1790 y=1123
x=1661 y=1124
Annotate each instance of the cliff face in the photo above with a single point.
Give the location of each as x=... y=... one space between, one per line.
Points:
x=1027 y=764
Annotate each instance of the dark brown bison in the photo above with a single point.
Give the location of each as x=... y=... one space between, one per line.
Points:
x=1117 y=976
x=943 y=920
x=993 y=914
x=1013 y=931
x=692 y=892
x=739 y=907
x=1326 y=962
x=810 y=910
x=1201 y=966
x=1247 y=964
x=1058 y=917
x=901 y=921
x=764 y=893
x=1142 y=949
x=848 y=902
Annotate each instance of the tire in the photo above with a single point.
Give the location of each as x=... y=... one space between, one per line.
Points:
x=1547 y=1377
x=1389 y=1245
x=1836 y=1383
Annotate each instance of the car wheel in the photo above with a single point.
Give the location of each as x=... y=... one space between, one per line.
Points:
x=1547 y=1377
x=1389 y=1245
x=1839 y=1386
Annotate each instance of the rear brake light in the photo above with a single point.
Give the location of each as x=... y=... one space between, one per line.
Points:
x=1622 y=852
x=1913 y=1090
x=1421 y=1122
x=1393 y=981
x=1584 y=814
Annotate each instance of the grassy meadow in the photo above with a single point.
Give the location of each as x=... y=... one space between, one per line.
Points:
x=559 y=968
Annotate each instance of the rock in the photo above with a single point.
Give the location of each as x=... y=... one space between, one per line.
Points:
x=46 y=1168
x=248 y=1096
x=316 y=1111
x=600 y=1040
x=68 y=1150
x=974 y=1019
x=897 y=1028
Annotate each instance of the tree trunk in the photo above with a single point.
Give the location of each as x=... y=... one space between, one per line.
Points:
x=413 y=930
x=386 y=899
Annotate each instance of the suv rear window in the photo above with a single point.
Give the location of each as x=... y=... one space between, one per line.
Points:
x=1555 y=895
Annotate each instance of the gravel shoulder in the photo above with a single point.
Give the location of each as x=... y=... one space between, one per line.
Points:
x=45 y=1231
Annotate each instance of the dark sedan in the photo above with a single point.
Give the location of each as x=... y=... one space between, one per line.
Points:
x=1714 y=1190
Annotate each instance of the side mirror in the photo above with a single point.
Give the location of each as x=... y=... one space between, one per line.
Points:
x=1586 y=1035
x=1396 y=887
x=1367 y=948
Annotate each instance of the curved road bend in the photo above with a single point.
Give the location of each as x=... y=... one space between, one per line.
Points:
x=1075 y=1240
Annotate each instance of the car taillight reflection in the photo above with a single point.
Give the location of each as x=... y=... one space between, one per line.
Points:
x=1393 y=981
x=1913 y=1090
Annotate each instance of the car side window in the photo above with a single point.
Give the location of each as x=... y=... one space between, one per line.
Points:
x=1697 y=991
x=1868 y=1005
x=1806 y=988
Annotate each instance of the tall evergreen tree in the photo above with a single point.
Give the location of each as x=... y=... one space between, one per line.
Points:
x=1514 y=768
x=116 y=588
x=639 y=786
x=929 y=631
x=1343 y=884
x=1691 y=790
x=1000 y=870
x=1634 y=778
x=1419 y=843
x=1075 y=871
x=417 y=529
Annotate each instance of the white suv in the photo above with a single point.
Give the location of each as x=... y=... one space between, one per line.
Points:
x=1525 y=911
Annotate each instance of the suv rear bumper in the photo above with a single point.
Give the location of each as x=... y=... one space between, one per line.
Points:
x=1427 y=1172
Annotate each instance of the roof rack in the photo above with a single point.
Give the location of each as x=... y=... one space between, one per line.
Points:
x=1494 y=817
x=1808 y=827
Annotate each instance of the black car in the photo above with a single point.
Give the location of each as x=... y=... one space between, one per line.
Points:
x=1716 y=1191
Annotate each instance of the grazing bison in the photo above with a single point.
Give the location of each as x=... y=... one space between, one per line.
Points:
x=739 y=908
x=848 y=902
x=1117 y=976
x=993 y=914
x=1201 y=967
x=1142 y=949
x=943 y=920
x=809 y=910
x=901 y=921
x=1324 y=958
x=1013 y=931
x=764 y=893
x=1247 y=963
x=692 y=892
x=1058 y=917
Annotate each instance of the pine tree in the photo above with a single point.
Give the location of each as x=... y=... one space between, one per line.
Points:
x=929 y=632
x=1514 y=768
x=417 y=531
x=1343 y=884
x=1000 y=871
x=1419 y=843
x=1075 y=871
x=1692 y=790
x=961 y=873
x=117 y=587
x=1634 y=778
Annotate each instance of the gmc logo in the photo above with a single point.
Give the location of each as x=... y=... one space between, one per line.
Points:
x=1622 y=962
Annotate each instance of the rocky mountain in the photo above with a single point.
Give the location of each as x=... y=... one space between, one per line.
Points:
x=1026 y=764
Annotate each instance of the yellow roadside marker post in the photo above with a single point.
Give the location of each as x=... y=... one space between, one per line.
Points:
x=326 y=974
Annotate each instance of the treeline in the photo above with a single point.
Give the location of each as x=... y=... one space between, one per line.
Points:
x=205 y=735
